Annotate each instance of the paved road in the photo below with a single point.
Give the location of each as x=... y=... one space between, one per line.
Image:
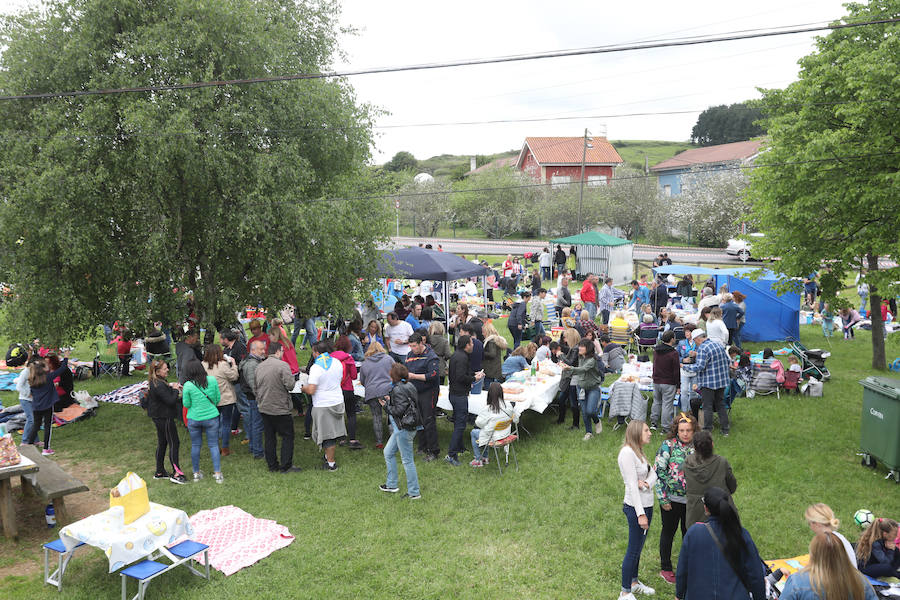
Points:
x=642 y=252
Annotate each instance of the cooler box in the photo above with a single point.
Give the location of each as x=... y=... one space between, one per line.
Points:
x=880 y=423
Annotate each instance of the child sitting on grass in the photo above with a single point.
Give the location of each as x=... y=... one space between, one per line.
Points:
x=877 y=554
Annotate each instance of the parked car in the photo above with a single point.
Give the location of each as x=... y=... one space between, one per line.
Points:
x=740 y=247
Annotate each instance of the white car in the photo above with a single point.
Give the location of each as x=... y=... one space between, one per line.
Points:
x=741 y=248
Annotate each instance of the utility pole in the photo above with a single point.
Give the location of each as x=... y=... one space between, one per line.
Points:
x=581 y=188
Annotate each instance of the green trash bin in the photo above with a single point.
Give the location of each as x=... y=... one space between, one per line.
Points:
x=880 y=424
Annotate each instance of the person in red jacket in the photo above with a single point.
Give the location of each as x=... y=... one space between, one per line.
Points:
x=666 y=380
x=123 y=350
x=589 y=294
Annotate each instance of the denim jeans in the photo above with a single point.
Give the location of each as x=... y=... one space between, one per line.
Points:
x=477 y=386
x=312 y=334
x=225 y=414
x=241 y=404
x=636 y=539
x=460 y=414
x=28 y=409
x=197 y=429
x=476 y=449
x=402 y=440
x=591 y=308
x=254 y=427
x=589 y=405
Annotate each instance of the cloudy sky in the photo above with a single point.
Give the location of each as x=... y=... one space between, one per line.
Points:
x=588 y=91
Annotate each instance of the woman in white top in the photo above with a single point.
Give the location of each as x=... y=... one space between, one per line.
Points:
x=225 y=371
x=639 y=477
x=715 y=327
x=495 y=411
x=25 y=398
x=821 y=519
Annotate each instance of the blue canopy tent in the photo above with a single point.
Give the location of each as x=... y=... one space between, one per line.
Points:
x=419 y=263
x=770 y=316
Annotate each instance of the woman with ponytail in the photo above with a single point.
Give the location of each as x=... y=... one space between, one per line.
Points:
x=830 y=575
x=821 y=519
x=718 y=559
x=877 y=554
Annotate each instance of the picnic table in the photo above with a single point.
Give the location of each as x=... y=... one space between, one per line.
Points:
x=7 y=510
x=536 y=396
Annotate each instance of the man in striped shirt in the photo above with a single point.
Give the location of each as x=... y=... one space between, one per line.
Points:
x=606 y=299
x=711 y=367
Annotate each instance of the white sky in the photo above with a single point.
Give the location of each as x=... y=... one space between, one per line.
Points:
x=403 y=32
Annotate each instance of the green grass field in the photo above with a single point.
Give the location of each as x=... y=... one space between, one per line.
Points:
x=554 y=529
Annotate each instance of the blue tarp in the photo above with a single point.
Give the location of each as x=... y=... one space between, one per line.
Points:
x=770 y=316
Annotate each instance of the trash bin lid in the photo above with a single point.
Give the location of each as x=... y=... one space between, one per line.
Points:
x=887 y=386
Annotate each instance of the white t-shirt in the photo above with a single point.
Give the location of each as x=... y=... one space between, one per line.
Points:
x=398 y=336
x=847 y=548
x=328 y=383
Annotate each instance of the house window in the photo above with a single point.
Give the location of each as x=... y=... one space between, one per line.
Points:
x=667 y=191
x=558 y=181
x=595 y=180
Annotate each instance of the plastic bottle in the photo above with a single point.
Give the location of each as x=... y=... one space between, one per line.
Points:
x=50 y=515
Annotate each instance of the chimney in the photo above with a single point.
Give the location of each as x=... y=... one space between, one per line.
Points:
x=472 y=163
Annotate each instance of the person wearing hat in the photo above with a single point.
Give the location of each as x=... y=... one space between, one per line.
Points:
x=257 y=333
x=711 y=369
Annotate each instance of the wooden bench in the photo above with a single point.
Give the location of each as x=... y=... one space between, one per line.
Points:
x=50 y=483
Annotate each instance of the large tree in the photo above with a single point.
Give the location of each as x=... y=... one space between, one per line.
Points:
x=712 y=204
x=826 y=189
x=111 y=203
x=724 y=124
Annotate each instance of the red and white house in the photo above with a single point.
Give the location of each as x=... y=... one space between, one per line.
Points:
x=557 y=160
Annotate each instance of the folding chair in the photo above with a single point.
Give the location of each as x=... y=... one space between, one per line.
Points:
x=187 y=552
x=63 y=556
x=104 y=362
x=647 y=337
x=143 y=572
x=505 y=443
x=763 y=381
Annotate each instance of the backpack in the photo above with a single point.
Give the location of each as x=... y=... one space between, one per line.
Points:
x=83 y=372
x=144 y=398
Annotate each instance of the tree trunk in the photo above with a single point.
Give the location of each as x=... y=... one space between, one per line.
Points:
x=878 y=356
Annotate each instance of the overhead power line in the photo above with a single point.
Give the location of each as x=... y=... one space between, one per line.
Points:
x=693 y=41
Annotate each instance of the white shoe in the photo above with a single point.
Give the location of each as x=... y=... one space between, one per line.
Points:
x=598 y=427
x=640 y=588
x=628 y=596
x=587 y=436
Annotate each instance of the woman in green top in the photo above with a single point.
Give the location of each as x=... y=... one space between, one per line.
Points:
x=200 y=396
x=587 y=377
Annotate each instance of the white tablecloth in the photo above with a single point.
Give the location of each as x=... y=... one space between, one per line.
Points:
x=303 y=379
x=536 y=396
x=644 y=370
x=124 y=544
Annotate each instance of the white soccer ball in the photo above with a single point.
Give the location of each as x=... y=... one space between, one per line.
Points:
x=863 y=517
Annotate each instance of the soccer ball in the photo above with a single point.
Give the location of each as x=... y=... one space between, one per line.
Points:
x=863 y=517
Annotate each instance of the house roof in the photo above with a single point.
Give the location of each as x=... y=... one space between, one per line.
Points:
x=591 y=238
x=723 y=153
x=568 y=151
x=495 y=164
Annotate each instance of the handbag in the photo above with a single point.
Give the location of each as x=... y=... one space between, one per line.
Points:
x=9 y=454
x=131 y=495
x=740 y=574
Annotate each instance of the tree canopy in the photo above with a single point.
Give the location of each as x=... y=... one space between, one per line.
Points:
x=724 y=124
x=826 y=189
x=114 y=205
x=402 y=161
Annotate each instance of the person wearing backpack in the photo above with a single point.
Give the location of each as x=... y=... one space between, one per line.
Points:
x=163 y=406
x=587 y=377
x=403 y=414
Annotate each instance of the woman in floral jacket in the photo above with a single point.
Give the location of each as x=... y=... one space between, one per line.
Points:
x=670 y=487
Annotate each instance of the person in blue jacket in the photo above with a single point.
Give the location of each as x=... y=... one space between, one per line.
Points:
x=44 y=396
x=731 y=316
x=718 y=559
x=829 y=574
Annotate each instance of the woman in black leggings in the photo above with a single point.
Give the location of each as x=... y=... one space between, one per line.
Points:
x=44 y=396
x=163 y=407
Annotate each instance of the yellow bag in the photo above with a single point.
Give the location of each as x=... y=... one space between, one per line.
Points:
x=131 y=495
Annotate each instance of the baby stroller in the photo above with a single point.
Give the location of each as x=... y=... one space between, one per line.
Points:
x=811 y=361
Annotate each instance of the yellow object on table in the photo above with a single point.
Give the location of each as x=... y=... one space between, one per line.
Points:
x=131 y=495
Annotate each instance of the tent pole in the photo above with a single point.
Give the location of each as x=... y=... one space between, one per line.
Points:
x=484 y=292
x=447 y=310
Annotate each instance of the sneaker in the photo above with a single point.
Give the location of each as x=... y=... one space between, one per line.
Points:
x=161 y=475
x=245 y=441
x=292 y=469
x=451 y=461
x=476 y=463
x=640 y=588
x=587 y=436
x=485 y=460
x=598 y=427
x=416 y=497
x=219 y=478
x=652 y=426
x=326 y=467
x=198 y=476
x=669 y=576
x=342 y=443
x=391 y=490
x=47 y=452
x=355 y=445
x=430 y=457
x=236 y=431
x=617 y=426
x=307 y=436
x=379 y=446
x=179 y=479
x=628 y=596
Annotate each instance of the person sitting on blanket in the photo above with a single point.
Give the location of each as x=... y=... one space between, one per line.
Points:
x=495 y=411
x=877 y=554
x=821 y=519
x=827 y=575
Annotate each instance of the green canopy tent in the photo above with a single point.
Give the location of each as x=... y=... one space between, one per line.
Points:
x=601 y=254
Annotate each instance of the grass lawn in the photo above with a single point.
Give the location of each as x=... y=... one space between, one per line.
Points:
x=554 y=529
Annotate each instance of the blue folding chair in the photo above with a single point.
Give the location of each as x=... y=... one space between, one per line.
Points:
x=63 y=556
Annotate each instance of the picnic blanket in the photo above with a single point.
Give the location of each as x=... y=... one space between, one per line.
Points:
x=758 y=357
x=129 y=394
x=237 y=539
x=70 y=414
x=8 y=381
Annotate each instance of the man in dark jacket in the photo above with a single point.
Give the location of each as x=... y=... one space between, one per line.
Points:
x=423 y=365
x=659 y=297
x=666 y=379
x=461 y=379
x=247 y=385
x=476 y=357
x=518 y=319
x=273 y=382
x=731 y=316
x=613 y=355
x=185 y=351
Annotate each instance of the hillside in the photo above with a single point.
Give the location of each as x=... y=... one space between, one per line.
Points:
x=631 y=151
